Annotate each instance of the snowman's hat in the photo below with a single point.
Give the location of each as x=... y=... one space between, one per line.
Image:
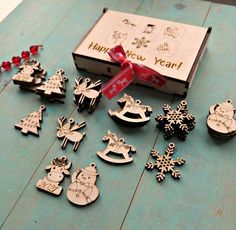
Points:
x=227 y=105
x=90 y=170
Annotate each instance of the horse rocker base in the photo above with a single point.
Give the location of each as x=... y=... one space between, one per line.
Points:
x=116 y=146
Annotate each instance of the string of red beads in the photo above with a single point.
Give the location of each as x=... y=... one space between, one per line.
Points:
x=16 y=60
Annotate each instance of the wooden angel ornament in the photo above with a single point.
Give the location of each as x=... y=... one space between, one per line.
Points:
x=83 y=190
x=116 y=146
x=57 y=169
x=87 y=94
x=132 y=112
x=69 y=132
x=32 y=122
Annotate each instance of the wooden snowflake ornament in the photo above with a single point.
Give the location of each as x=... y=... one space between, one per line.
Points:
x=165 y=163
x=57 y=169
x=132 y=112
x=32 y=122
x=83 y=190
x=69 y=132
x=176 y=122
x=116 y=146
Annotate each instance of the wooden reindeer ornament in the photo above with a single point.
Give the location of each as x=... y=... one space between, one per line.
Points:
x=68 y=132
x=87 y=94
x=116 y=146
x=57 y=169
x=132 y=112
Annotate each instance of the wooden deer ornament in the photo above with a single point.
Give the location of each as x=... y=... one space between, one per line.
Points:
x=68 y=132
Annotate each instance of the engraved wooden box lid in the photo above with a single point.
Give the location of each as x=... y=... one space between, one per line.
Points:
x=172 y=49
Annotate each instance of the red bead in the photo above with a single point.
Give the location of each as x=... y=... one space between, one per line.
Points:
x=16 y=60
x=6 y=65
x=34 y=49
x=25 y=55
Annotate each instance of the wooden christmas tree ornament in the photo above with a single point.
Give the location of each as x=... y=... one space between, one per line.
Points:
x=83 y=190
x=57 y=169
x=68 y=132
x=165 y=163
x=54 y=88
x=32 y=122
x=87 y=94
x=132 y=112
x=220 y=121
x=116 y=146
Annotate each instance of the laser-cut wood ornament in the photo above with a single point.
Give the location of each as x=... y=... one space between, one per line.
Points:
x=32 y=122
x=68 y=131
x=83 y=190
x=220 y=121
x=54 y=88
x=87 y=94
x=176 y=122
x=132 y=112
x=57 y=169
x=116 y=146
x=165 y=163
x=30 y=75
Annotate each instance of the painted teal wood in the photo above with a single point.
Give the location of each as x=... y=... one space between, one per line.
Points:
x=205 y=197
x=24 y=158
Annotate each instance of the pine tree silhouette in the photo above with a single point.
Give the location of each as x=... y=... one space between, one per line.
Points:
x=32 y=122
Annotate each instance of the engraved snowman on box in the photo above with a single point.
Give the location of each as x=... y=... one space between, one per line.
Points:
x=82 y=190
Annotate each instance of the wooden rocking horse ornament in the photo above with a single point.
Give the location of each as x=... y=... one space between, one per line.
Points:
x=132 y=112
x=116 y=146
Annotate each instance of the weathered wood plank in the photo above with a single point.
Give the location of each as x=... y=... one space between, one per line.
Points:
x=205 y=197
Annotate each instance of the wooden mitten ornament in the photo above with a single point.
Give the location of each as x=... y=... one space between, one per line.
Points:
x=220 y=121
x=68 y=132
x=54 y=88
x=176 y=122
x=132 y=112
x=32 y=122
x=165 y=163
x=118 y=147
x=30 y=75
x=87 y=94
x=82 y=190
x=57 y=169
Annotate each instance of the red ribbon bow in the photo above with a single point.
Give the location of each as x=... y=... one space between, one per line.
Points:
x=129 y=71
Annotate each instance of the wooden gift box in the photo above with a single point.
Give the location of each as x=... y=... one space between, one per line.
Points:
x=172 y=49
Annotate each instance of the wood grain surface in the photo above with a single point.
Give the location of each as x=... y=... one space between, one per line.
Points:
x=130 y=197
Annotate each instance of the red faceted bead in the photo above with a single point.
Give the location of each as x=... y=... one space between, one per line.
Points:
x=25 y=55
x=6 y=65
x=34 y=49
x=16 y=60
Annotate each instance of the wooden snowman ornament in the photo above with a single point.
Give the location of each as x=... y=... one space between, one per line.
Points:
x=83 y=191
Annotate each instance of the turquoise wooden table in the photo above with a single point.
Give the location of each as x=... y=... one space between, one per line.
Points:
x=130 y=197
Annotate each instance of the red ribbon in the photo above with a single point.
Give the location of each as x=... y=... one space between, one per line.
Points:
x=129 y=71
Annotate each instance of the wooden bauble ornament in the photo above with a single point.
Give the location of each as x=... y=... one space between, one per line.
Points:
x=57 y=169
x=118 y=147
x=165 y=163
x=132 y=112
x=87 y=94
x=32 y=122
x=220 y=121
x=68 y=131
x=83 y=190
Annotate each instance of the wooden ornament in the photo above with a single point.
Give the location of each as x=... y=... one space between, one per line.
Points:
x=30 y=75
x=32 y=122
x=220 y=121
x=54 y=88
x=118 y=147
x=67 y=131
x=165 y=163
x=132 y=112
x=83 y=191
x=57 y=169
x=87 y=93
x=176 y=122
